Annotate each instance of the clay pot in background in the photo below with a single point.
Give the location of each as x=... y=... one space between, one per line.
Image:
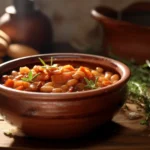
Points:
x=127 y=40
x=137 y=13
x=26 y=25
x=107 y=11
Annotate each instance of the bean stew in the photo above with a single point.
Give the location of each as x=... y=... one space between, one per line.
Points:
x=57 y=78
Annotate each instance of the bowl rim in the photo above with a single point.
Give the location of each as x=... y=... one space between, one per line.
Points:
x=64 y=96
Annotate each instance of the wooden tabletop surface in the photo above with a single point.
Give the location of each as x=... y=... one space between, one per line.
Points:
x=119 y=134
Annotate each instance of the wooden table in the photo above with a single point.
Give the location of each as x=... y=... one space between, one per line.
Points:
x=119 y=134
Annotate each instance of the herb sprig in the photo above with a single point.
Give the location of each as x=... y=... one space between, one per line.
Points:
x=138 y=86
x=42 y=62
x=30 y=77
x=90 y=84
x=51 y=61
x=48 y=66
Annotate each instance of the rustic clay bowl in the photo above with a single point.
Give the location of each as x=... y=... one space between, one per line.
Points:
x=62 y=115
x=125 y=39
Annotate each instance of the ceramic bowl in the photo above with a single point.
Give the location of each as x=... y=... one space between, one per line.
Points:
x=62 y=115
x=124 y=39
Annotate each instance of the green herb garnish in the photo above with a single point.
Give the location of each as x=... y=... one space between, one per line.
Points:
x=42 y=61
x=138 y=86
x=90 y=83
x=48 y=66
x=30 y=77
x=51 y=61
x=147 y=64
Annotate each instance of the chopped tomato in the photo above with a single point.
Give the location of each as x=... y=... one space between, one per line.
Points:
x=68 y=68
x=20 y=87
x=62 y=78
x=87 y=72
x=9 y=83
x=18 y=83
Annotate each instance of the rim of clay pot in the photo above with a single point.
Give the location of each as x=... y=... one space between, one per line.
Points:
x=136 y=9
x=100 y=11
x=105 y=11
x=64 y=96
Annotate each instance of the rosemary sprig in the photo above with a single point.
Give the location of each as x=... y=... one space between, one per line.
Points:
x=90 y=84
x=51 y=64
x=30 y=77
x=42 y=62
x=48 y=66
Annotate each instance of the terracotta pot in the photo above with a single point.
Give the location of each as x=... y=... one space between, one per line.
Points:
x=127 y=40
x=63 y=115
x=137 y=13
x=27 y=25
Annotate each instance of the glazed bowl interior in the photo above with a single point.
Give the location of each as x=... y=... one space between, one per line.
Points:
x=66 y=58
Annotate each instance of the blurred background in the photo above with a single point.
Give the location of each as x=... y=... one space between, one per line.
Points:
x=29 y=27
